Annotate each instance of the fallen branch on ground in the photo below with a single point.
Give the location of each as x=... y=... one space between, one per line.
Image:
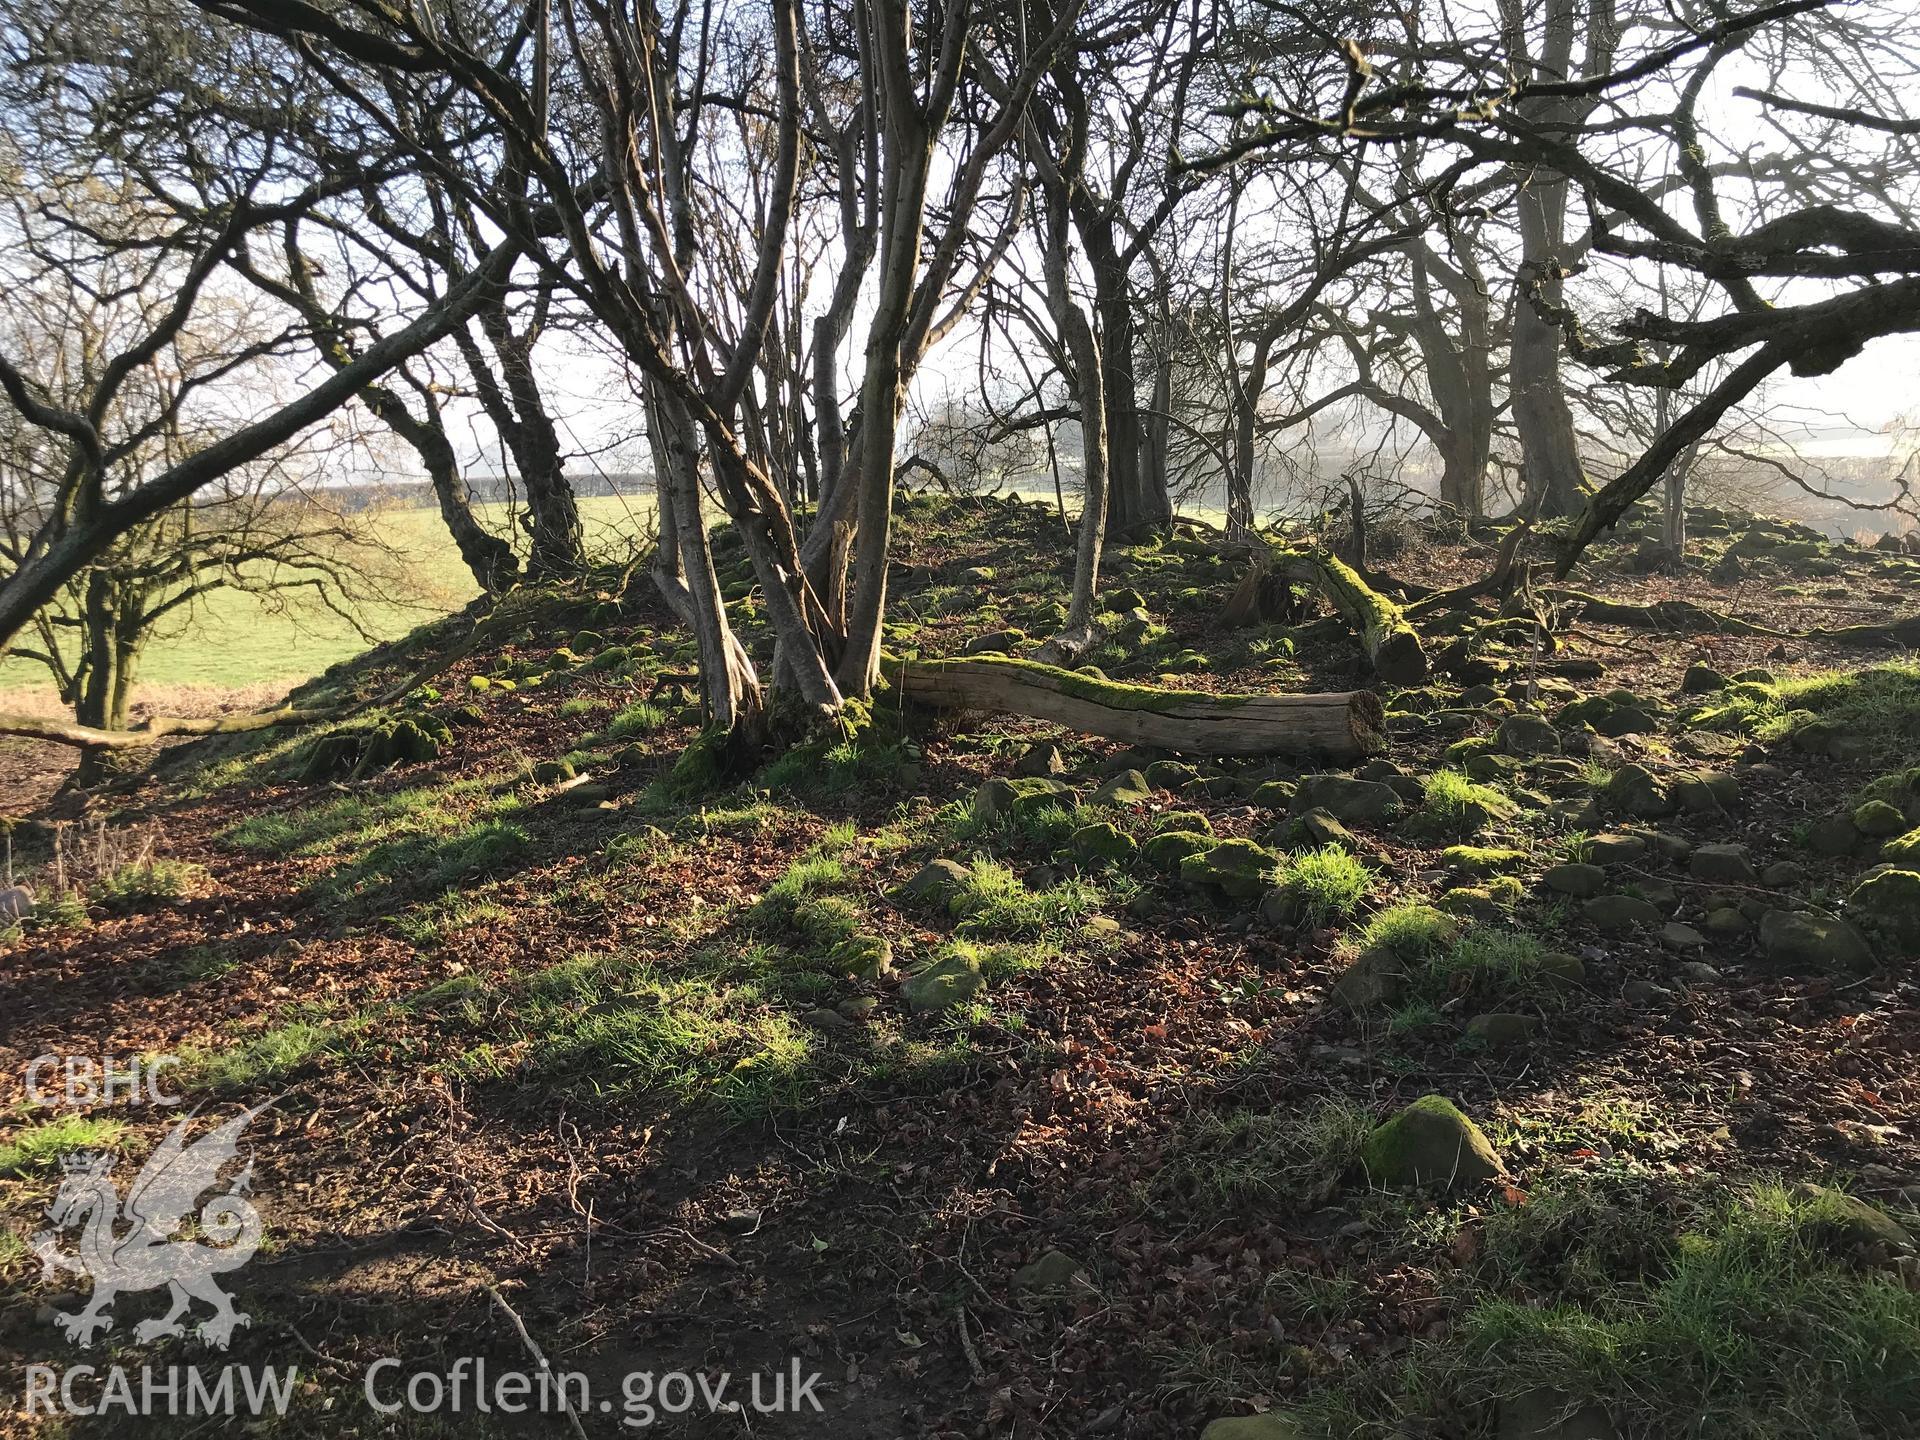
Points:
x=1683 y=617
x=165 y=727
x=1340 y=726
x=1390 y=642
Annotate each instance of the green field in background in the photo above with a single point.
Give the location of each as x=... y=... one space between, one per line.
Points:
x=233 y=639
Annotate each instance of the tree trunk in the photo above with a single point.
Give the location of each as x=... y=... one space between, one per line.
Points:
x=1083 y=354
x=688 y=580
x=1342 y=726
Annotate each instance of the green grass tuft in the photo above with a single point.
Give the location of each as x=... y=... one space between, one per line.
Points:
x=39 y=1147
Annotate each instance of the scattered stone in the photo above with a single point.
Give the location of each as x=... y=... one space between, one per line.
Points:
x=1273 y=794
x=1501 y=1031
x=1676 y=935
x=1723 y=864
x=826 y=1020
x=552 y=772
x=864 y=957
x=1878 y=820
x=1001 y=798
x=1357 y=802
x=858 y=1007
x=1169 y=848
x=1055 y=1270
x=1430 y=1143
x=1727 y=920
x=1375 y=978
x=1238 y=868
x=1833 y=836
x=1702 y=679
x=1851 y=1223
x=951 y=980
x=1170 y=774
x=1797 y=940
x=1644 y=994
x=1491 y=767
x=1697 y=972
x=1041 y=760
x=1707 y=794
x=1476 y=902
x=1615 y=849
x=939 y=880
x=1576 y=879
x=1620 y=912
x=1481 y=859
x=996 y=642
x=1128 y=788
x=1102 y=843
x=1563 y=970
x=1635 y=790
x=1658 y=894
x=1784 y=875
x=1319 y=827
x=1527 y=735
x=1887 y=901
x=1671 y=848
x=1902 y=848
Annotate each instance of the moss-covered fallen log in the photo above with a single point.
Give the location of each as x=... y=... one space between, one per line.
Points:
x=1341 y=726
x=1683 y=617
x=1392 y=645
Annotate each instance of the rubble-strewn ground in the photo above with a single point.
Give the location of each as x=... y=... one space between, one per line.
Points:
x=552 y=1038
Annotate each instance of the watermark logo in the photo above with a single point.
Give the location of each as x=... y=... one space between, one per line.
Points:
x=82 y=1080
x=129 y=1247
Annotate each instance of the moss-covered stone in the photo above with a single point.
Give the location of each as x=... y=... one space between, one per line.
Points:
x=552 y=772
x=1878 y=819
x=1189 y=820
x=937 y=881
x=1102 y=843
x=1168 y=850
x=1001 y=798
x=1374 y=978
x=1796 y=940
x=864 y=957
x=1356 y=802
x=951 y=979
x=1702 y=679
x=1887 y=902
x=1904 y=848
x=1431 y=1142
x=1237 y=868
x=1319 y=827
x=1481 y=859
x=1848 y=1224
x=1128 y=788
x=1524 y=734
x=1636 y=790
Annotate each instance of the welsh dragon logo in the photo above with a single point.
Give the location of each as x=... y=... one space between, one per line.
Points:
x=151 y=1253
